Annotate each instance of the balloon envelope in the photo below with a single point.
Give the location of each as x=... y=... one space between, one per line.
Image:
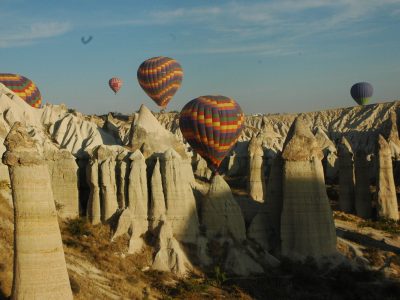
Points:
x=23 y=87
x=115 y=84
x=160 y=77
x=362 y=92
x=211 y=125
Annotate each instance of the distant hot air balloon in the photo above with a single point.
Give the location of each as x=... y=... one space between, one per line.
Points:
x=86 y=41
x=115 y=84
x=362 y=92
x=160 y=77
x=211 y=125
x=23 y=87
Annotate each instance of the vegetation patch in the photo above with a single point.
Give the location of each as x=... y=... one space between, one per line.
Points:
x=387 y=225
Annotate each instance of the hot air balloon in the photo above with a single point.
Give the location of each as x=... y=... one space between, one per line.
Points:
x=160 y=77
x=86 y=41
x=211 y=125
x=362 y=92
x=23 y=87
x=115 y=84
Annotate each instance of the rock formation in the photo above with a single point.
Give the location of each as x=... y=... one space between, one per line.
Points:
x=221 y=215
x=64 y=181
x=122 y=179
x=307 y=227
x=138 y=198
x=256 y=179
x=157 y=201
x=363 y=204
x=170 y=256
x=179 y=198
x=385 y=187
x=145 y=129
x=108 y=193
x=93 y=207
x=201 y=169
x=238 y=262
x=40 y=271
x=330 y=160
x=346 y=177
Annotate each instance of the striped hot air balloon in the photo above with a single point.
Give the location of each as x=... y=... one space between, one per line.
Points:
x=212 y=125
x=115 y=84
x=160 y=77
x=23 y=87
x=362 y=92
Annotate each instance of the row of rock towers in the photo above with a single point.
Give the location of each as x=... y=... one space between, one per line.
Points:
x=295 y=219
x=355 y=194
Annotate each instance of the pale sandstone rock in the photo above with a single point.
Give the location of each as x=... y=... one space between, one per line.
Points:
x=221 y=215
x=363 y=199
x=170 y=257
x=40 y=271
x=108 y=193
x=330 y=161
x=392 y=135
x=122 y=176
x=385 y=187
x=138 y=198
x=307 y=227
x=93 y=206
x=202 y=169
x=145 y=129
x=179 y=198
x=157 y=203
x=256 y=179
x=64 y=181
x=346 y=177
x=124 y=224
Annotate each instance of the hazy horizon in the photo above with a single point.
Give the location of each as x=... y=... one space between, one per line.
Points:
x=270 y=56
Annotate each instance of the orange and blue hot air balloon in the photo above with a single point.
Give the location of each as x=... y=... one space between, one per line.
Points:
x=23 y=87
x=115 y=84
x=212 y=125
x=160 y=77
x=362 y=92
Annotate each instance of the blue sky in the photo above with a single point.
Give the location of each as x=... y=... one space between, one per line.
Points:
x=270 y=56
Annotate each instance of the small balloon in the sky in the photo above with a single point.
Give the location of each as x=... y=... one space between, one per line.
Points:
x=362 y=92
x=115 y=84
x=86 y=40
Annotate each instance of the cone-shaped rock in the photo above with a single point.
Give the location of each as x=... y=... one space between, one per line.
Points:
x=385 y=187
x=346 y=177
x=363 y=199
x=147 y=130
x=256 y=180
x=40 y=271
x=307 y=227
x=93 y=206
x=179 y=198
x=221 y=215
